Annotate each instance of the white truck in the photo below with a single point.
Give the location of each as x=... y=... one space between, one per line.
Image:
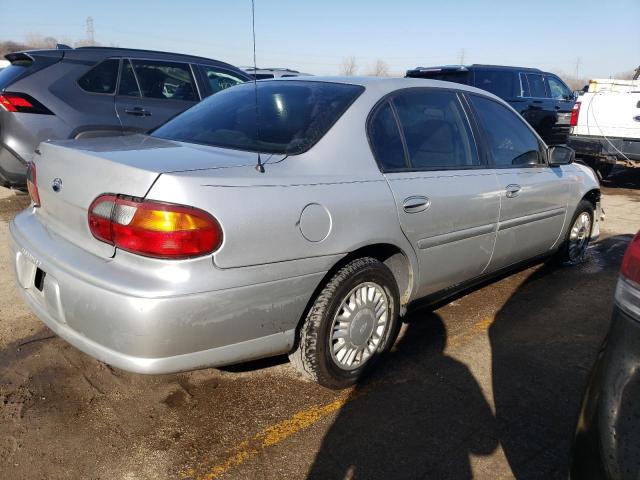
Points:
x=605 y=125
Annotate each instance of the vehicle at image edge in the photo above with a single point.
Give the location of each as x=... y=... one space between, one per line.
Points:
x=607 y=442
x=4 y=64
x=271 y=73
x=542 y=98
x=95 y=91
x=175 y=252
x=606 y=125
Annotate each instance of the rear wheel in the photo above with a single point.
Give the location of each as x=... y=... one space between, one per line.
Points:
x=574 y=247
x=353 y=320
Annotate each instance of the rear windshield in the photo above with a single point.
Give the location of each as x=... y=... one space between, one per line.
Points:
x=445 y=76
x=12 y=72
x=292 y=116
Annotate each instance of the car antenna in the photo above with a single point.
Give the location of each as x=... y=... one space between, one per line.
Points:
x=260 y=165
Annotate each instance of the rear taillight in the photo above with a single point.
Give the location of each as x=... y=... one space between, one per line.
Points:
x=628 y=288
x=575 y=113
x=154 y=229
x=22 y=103
x=32 y=184
x=630 y=268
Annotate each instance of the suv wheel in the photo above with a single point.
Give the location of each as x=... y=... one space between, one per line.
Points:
x=353 y=320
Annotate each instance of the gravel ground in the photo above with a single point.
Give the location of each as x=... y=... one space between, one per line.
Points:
x=488 y=386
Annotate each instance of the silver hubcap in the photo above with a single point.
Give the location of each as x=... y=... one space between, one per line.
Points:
x=579 y=236
x=359 y=325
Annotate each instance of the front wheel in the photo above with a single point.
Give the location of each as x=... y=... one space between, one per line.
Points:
x=574 y=247
x=353 y=320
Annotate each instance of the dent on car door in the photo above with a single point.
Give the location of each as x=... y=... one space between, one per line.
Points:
x=446 y=200
x=533 y=196
x=152 y=91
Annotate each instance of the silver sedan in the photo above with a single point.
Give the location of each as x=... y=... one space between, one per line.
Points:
x=299 y=216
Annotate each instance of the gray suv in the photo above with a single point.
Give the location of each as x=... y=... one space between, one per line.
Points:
x=96 y=91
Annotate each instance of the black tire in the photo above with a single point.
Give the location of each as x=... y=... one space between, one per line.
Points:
x=603 y=170
x=565 y=256
x=312 y=356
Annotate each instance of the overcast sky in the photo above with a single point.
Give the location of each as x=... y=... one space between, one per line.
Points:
x=316 y=36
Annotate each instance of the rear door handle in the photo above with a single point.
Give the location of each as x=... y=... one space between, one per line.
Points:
x=513 y=190
x=138 y=112
x=416 y=204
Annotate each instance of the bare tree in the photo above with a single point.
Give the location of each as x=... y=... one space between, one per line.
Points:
x=349 y=66
x=35 y=40
x=380 y=69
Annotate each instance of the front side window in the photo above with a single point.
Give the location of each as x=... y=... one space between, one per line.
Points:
x=435 y=128
x=102 y=78
x=499 y=83
x=165 y=80
x=386 y=140
x=220 y=80
x=511 y=142
x=558 y=90
x=288 y=118
x=536 y=85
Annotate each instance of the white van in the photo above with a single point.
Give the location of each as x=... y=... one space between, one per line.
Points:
x=605 y=124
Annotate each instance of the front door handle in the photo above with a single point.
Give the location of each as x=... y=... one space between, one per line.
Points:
x=138 y=112
x=513 y=190
x=416 y=204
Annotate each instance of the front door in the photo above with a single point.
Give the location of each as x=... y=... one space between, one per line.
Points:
x=533 y=196
x=447 y=200
x=153 y=91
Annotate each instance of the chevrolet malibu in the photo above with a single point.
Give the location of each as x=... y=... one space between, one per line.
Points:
x=299 y=216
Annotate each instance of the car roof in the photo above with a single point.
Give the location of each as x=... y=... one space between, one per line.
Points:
x=387 y=84
x=476 y=66
x=100 y=53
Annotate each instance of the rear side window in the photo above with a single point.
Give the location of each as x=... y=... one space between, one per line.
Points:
x=220 y=80
x=102 y=78
x=536 y=85
x=385 y=139
x=445 y=76
x=165 y=80
x=293 y=116
x=511 y=142
x=499 y=83
x=435 y=128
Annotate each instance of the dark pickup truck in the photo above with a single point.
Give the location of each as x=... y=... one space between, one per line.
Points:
x=540 y=97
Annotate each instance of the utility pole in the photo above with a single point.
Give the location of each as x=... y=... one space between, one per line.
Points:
x=462 y=52
x=90 y=31
x=578 y=63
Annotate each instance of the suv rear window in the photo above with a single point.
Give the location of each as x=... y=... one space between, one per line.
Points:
x=500 y=83
x=102 y=78
x=293 y=116
x=12 y=72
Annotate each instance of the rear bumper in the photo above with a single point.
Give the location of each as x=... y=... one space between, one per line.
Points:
x=607 y=149
x=146 y=332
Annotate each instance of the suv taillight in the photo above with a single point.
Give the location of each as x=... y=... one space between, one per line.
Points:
x=630 y=268
x=32 y=184
x=22 y=103
x=154 y=229
x=575 y=112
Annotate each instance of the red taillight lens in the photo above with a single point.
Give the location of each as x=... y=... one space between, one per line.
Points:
x=22 y=103
x=32 y=184
x=154 y=229
x=630 y=268
x=575 y=112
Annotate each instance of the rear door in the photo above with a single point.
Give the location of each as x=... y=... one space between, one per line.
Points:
x=537 y=108
x=152 y=91
x=533 y=196
x=446 y=198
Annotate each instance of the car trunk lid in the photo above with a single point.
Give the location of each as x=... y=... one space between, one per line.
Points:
x=128 y=165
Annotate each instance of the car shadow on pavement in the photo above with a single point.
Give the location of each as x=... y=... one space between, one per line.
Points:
x=424 y=415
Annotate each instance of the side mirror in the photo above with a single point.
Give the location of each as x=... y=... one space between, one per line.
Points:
x=561 y=155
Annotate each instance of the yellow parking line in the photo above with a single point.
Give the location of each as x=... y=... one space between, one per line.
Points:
x=280 y=431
